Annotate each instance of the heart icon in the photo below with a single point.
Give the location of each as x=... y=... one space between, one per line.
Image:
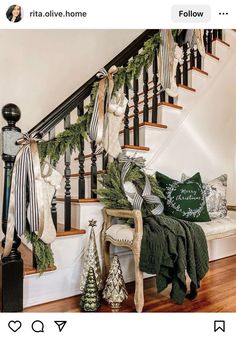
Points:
x=14 y=325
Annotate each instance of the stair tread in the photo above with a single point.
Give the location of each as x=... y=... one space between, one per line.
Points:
x=87 y=173
x=199 y=70
x=78 y=200
x=158 y=125
x=173 y=105
x=26 y=255
x=62 y=233
x=222 y=41
x=128 y=146
x=186 y=87
x=213 y=56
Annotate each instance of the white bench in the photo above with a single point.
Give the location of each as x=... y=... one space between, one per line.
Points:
x=122 y=235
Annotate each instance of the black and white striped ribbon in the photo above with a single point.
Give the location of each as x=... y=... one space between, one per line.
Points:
x=25 y=176
x=166 y=58
x=26 y=196
x=93 y=129
x=137 y=199
x=103 y=96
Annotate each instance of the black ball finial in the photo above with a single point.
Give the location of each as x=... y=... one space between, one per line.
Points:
x=11 y=113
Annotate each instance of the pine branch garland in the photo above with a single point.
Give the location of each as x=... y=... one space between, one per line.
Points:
x=43 y=252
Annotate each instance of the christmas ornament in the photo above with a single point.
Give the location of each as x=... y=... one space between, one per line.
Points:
x=90 y=299
x=91 y=260
x=115 y=291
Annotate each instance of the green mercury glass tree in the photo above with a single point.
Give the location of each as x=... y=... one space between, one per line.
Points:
x=90 y=298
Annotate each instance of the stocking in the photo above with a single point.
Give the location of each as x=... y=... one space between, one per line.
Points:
x=51 y=182
x=168 y=58
x=113 y=121
x=173 y=90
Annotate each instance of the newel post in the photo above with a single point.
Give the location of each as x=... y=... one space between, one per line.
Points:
x=11 y=267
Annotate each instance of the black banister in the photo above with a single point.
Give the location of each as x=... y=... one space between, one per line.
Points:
x=59 y=113
x=11 y=266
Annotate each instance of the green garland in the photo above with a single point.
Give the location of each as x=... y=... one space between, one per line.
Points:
x=43 y=252
x=112 y=193
x=71 y=137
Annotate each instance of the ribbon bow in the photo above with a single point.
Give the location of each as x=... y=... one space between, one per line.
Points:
x=137 y=199
x=26 y=171
x=105 y=89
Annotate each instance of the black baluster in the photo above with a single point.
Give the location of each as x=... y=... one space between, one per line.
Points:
x=178 y=74
x=154 y=93
x=67 y=174
x=136 y=111
x=162 y=95
x=104 y=160
x=192 y=58
x=93 y=170
x=145 y=96
x=170 y=99
x=81 y=158
x=54 y=200
x=11 y=267
x=199 y=60
x=220 y=35
x=126 y=117
x=209 y=40
x=215 y=34
x=185 y=64
x=205 y=38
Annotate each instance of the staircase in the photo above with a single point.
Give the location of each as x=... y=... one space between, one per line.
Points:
x=154 y=125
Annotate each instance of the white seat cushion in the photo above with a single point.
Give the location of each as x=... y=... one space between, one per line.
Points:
x=219 y=228
x=121 y=232
x=215 y=229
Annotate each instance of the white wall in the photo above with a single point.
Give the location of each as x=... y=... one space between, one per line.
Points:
x=41 y=68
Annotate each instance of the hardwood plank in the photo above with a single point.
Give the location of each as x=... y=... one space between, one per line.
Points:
x=217 y=294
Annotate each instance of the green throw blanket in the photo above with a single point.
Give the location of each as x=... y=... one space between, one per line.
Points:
x=169 y=248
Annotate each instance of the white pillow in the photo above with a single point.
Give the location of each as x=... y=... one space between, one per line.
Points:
x=215 y=193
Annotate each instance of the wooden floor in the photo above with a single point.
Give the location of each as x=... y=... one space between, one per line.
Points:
x=217 y=294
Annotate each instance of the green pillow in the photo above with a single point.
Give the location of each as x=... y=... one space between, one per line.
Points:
x=184 y=200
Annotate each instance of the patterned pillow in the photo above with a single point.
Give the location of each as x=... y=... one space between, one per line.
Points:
x=184 y=200
x=215 y=193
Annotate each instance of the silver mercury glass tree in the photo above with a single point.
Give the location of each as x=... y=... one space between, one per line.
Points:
x=115 y=291
x=91 y=260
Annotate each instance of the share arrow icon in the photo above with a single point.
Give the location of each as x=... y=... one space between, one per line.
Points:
x=61 y=324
